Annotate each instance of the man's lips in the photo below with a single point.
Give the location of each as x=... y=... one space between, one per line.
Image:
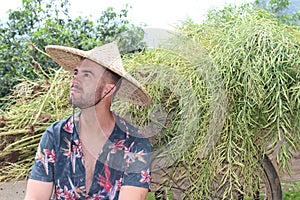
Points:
x=75 y=89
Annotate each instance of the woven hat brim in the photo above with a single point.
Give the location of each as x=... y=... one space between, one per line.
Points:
x=130 y=89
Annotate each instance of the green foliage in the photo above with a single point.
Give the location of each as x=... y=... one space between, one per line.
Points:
x=292 y=191
x=42 y=22
x=258 y=58
x=151 y=196
x=282 y=9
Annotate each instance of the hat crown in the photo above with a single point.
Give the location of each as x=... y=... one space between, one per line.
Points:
x=108 y=55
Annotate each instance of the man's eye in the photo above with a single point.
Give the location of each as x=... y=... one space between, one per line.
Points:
x=86 y=75
x=75 y=72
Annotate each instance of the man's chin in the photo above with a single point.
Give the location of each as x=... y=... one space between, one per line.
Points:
x=80 y=104
x=71 y=102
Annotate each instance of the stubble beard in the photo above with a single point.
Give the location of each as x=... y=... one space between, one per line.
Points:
x=86 y=101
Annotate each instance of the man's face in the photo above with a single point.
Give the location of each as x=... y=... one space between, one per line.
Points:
x=87 y=85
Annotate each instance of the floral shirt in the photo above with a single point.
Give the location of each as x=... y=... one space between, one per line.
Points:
x=124 y=160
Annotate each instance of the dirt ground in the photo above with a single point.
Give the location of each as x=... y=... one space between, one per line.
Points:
x=12 y=190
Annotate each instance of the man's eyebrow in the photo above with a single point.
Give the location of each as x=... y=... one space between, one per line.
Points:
x=87 y=71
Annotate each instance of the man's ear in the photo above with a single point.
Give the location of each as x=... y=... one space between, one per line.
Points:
x=109 y=89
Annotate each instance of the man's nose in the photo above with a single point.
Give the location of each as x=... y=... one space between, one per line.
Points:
x=74 y=81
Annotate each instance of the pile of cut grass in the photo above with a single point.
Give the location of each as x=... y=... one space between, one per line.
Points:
x=33 y=106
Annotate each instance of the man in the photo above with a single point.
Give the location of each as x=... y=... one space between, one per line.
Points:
x=94 y=154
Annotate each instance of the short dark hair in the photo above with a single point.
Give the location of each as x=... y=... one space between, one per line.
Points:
x=113 y=78
x=110 y=76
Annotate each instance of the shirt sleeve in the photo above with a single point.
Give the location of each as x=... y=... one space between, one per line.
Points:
x=138 y=164
x=43 y=167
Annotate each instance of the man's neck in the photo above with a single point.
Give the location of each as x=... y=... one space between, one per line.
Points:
x=96 y=120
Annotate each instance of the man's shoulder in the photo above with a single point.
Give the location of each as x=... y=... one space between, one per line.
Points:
x=128 y=128
x=133 y=134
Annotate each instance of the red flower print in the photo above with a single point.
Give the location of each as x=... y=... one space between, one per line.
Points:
x=50 y=155
x=132 y=156
x=118 y=145
x=104 y=181
x=129 y=156
x=95 y=197
x=69 y=126
x=119 y=183
x=122 y=121
x=58 y=192
x=139 y=156
x=146 y=177
x=69 y=194
x=67 y=151
x=45 y=157
x=74 y=152
x=77 y=149
x=39 y=157
x=81 y=189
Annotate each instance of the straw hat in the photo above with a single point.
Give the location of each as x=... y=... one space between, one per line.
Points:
x=107 y=56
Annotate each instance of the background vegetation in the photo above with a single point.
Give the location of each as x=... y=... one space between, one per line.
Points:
x=43 y=22
x=255 y=52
